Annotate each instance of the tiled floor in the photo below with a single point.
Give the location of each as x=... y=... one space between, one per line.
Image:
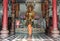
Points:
x=25 y=37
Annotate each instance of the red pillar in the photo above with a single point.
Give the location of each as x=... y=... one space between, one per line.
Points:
x=55 y=31
x=4 y=31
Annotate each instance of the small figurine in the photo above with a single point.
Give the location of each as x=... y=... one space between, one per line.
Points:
x=17 y=23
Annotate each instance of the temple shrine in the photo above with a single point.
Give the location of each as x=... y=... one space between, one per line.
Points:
x=29 y=20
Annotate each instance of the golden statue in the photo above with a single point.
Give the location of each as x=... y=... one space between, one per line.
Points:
x=29 y=16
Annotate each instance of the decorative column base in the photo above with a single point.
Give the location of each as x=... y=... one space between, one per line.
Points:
x=12 y=32
x=55 y=33
x=4 y=33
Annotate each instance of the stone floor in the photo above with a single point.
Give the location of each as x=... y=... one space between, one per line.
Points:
x=25 y=37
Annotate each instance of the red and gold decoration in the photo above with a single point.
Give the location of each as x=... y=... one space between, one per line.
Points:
x=17 y=10
x=47 y=12
x=13 y=16
x=43 y=9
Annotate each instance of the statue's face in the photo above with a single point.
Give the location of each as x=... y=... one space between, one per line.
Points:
x=30 y=8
